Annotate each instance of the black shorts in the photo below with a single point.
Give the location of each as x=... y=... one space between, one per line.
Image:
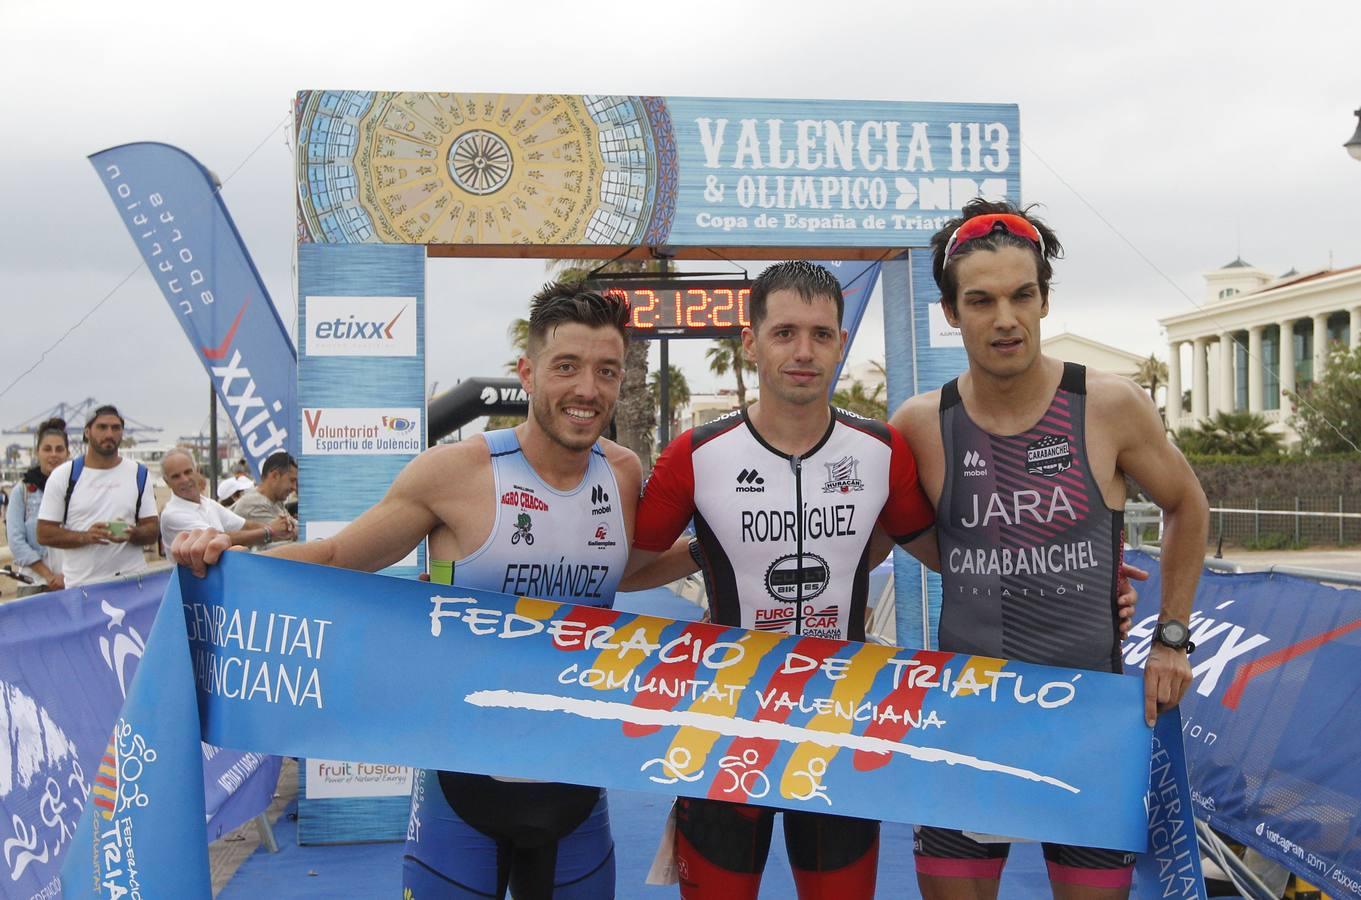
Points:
x=947 y=853
x=721 y=851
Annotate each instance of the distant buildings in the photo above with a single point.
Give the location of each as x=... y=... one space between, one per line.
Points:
x=704 y=408
x=1238 y=359
x=1095 y=355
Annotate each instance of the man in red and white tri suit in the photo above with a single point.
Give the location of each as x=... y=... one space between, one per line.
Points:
x=786 y=496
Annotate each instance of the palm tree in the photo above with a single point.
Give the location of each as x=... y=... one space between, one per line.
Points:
x=1230 y=434
x=863 y=402
x=1151 y=373
x=726 y=356
x=678 y=392
x=518 y=334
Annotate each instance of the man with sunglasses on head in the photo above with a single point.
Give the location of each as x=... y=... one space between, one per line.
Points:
x=1027 y=455
x=545 y=510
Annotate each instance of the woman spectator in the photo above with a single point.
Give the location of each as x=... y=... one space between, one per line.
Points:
x=31 y=558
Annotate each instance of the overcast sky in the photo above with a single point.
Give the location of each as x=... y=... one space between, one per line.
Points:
x=1163 y=138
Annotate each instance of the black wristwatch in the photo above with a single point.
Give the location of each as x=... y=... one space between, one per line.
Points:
x=1174 y=635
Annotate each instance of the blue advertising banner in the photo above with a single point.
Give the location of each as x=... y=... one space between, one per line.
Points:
x=1171 y=867
x=172 y=207
x=922 y=353
x=66 y=659
x=280 y=658
x=857 y=281
x=361 y=381
x=604 y=169
x=1271 y=733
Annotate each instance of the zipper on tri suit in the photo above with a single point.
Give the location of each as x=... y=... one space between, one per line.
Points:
x=796 y=463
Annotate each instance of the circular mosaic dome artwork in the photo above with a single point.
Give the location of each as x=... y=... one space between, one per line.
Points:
x=432 y=168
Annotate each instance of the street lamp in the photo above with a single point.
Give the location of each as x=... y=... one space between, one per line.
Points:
x=1354 y=145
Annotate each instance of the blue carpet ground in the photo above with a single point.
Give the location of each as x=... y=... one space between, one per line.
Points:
x=375 y=870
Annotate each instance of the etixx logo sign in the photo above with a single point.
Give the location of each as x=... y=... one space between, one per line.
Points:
x=361 y=326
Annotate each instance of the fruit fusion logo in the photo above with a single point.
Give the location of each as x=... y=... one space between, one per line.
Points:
x=361 y=326
x=749 y=481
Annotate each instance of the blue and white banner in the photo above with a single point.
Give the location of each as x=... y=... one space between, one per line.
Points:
x=172 y=206
x=1171 y=867
x=280 y=657
x=857 y=284
x=473 y=168
x=1272 y=738
x=65 y=661
x=922 y=353
x=361 y=381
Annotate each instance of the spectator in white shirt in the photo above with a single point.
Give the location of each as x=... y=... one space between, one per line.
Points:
x=190 y=508
x=104 y=519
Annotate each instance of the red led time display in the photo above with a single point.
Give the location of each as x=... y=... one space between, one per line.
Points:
x=712 y=308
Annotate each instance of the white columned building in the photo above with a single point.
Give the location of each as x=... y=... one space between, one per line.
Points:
x=1266 y=335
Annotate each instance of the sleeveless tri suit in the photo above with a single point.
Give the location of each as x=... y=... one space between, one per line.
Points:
x=784 y=544
x=472 y=835
x=1029 y=556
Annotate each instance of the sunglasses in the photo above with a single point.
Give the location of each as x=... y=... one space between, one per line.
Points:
x=982 y=226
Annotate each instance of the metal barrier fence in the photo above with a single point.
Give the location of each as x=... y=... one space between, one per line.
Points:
x=1264 y=523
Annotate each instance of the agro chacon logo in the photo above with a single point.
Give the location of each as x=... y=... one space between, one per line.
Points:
x=842 y=476
x=600 y=501
x=1048 y=456
x=524 y=498
x=523 y=528
x=749 y=481
x=792 y=578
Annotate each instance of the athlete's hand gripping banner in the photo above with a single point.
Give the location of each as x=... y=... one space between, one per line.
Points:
x=301 y=660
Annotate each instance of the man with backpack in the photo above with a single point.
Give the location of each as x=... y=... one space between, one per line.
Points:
x=97 y=508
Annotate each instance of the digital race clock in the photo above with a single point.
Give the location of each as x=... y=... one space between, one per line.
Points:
x=712 y=308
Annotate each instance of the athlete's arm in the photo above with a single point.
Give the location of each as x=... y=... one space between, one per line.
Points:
x=923 y=547
x=659 y=569
x=1147 y=456
x=378 y=538
x=667 y=504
